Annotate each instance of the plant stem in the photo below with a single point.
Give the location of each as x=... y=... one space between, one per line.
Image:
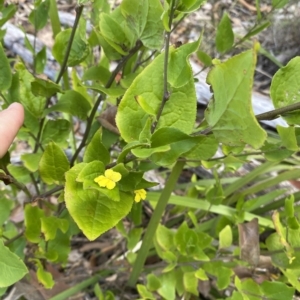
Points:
x=77 y=288
x=79 y=10
x=101 y=97
x=14 y=238
x=153 y=224
x=276 y=113
x=166 y=94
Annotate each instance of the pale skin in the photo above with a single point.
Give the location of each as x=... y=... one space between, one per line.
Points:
x=11 y=120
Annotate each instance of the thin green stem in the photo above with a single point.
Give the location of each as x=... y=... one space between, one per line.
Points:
x=153 y=224
x=101 y=97
x=77 y=288
x=166 y=93
x=14 y=238
x=79 y=10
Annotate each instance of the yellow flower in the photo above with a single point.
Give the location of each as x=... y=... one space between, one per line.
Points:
x=109 y=179
x=140 y=195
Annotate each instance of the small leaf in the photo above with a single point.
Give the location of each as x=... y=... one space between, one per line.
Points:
x=79 y=50
x=12 y=268
x=31 y=161
x=33 y=216
x=41 y=61
x=153 y=282
x=277 y=290
x=56 y=131
x=284 y=89
x=39 y=16
x=190 y=283
x=288 y=137
x=49 y=226
x=96 y=150
x=44 y=277
x=53 y=164
x=225 y=237
x=72 y=103
x=5 y=207
x=204 y=58
x=45 y=88
x=224 y=36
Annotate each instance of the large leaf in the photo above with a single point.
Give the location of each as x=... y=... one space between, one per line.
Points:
x=93 y=212
x=285 y=89
x=12 y=268
x=229 y=113
x=179 y=111
x=53 y=164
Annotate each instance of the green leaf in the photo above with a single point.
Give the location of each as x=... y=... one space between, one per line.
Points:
x=204 y=58
x=128 y=148
x=45 y=88
x=114 y=33
x=34 y=104
x=41 y=61
x=93 y=212
x=205 y=149
x=135 y=12
x=49 y=226
x=179 y=111
x=33 y=216
x=79 y=50
x=39 y=16
x=179 y=68
x=7 y=13
x=97 y=73
x=44 y=277
x=53 y=164
x=168 y=286
x=96 y=150
x=20 y=173
x=144 y=292
x=153 y=282
x=224 y=36
x=153 y=34
x=56 y=131
x=277 y=290
x=72 y=103
x=87 y=175
x=200 y=274
x=190 y=283
x=31 y=161
x=112 y=91
x=12 y=268
x=289 y=206
x=5 y=74
x=284 y=89
x=225 y=237
x=288 y=137
x=5 y=207
x=164 y=237
x=222 y=273
x=230 y=113
x=277 y=4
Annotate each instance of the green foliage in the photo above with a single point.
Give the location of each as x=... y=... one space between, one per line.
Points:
x=148 y=107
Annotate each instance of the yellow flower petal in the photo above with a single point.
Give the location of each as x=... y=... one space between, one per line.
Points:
x=110 y=184
x=140 y=195
x=112 y=175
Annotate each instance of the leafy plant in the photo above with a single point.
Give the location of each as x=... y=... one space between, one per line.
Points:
x=152 y=92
